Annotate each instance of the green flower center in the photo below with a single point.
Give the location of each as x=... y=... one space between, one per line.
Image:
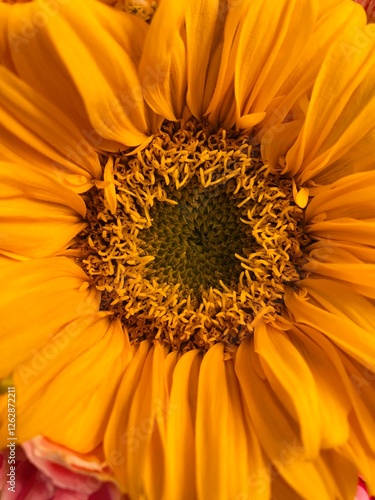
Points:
x=196 y=241
x=192 y=238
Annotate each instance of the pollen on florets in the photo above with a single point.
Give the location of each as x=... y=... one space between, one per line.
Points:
x=145 y=9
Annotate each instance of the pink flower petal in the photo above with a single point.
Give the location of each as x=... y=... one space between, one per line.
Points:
x=66 y=469
x=362 y=493
x=46 y=471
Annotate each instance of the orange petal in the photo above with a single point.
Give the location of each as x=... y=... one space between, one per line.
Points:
x=94 y=63
x=163 y=65
x=39 y=216
x=278 y=433
x=225 y=466
x=292 y=381
x=180 y=479
x=35 y=131
x=67 y=400
x=268 y=30
x=338 y=312
x=50 y=295
x=334 y=125
x=134 y=440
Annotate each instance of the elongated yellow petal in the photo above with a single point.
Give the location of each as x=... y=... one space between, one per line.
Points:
x=340 y=265
x=134 y=440
x=220 y=413
x=98 y=82
x=180 y=474
x=344 y=210
x=292 y=381
x=339 y=313
x=359 y=452
x=347 y=229
x=49 y=293
x=350 y=196
x=360 y=158
x=341 y=103
x=65 y=366
x=35 y=131
x=163 y=65
x=39 y=216
x=223 y=95
x=113 y=99
x=357 y=251
x=335 y=21
x=204 y=28
x=170 y=364
x=317 y=480
x=261 y=67
x=332 y=392
x=352 y=380
x=361 y=377
x=277 y=432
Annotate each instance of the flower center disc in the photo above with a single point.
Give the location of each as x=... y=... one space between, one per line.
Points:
x=192 y=238
x=195 y=242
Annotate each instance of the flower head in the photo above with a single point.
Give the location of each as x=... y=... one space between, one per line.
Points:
x=189 y=233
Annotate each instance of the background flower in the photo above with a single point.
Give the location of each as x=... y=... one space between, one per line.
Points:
x=45 y=471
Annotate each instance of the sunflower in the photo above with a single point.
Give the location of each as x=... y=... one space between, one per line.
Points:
x=187 y=242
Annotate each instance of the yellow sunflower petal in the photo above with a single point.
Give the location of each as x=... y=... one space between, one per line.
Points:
x=163 y=65
x=360 y=158
x=340 y=265
x=25 y=52
x=306 y=479
x=350 y=196
x=339 y=313
x=281 y=489
x=360 y=379
x=49 y=293
x=321 y=478
x=39 y=217
x=261 y=66
x=65 y=385
x=341 y=105
x=180 y=479
x=276 y=140
x=342 y=473
x=335 y=21
x=341 y=382
x=37 y=132
x=328 y=372
x=170 y=364
x=137 y=424
x=107 y=81
x=222 y=107
x=352 y=231
x=205 y=27
x=292 y=381
x=277 y=432
x=335 y=209
x=99 y=87
x=220 y=413
x=362 y=252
